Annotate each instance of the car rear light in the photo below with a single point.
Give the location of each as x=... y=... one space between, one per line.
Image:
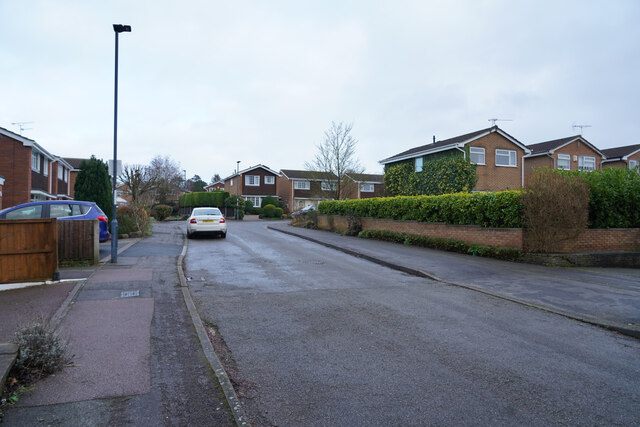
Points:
x=193 y=221
x=222 y=220
x=103 y=219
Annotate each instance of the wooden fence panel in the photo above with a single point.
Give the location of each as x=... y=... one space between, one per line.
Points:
x=28 y=250
x=78 y=240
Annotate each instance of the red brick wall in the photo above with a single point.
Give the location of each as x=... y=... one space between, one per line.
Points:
x=258 y=190
x=497 y=178
x=602 y=240
x=15 y=166
x=536 y=162
x=1 y=182
x=578 y=148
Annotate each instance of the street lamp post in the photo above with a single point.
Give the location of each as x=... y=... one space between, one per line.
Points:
x=117 y=28
x=238 y=189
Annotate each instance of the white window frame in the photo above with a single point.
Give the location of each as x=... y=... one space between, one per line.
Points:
x=66 y=175
x=367 y=187
x=35 y=161
x=327 y=186
x=301 y=185
x=564 y=158
x=45 y=169
x=477 y=151
x=252 y=180
x=419 y=164
x=231 y=182
x=513 y=158
x=268 y=179
x=256 y=200
x=634 y=164
x=581 y=163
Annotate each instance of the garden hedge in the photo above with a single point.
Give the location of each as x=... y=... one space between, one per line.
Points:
x=502 y=209
x=204 y=198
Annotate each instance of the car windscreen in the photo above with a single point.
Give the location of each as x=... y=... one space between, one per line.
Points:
x=27 y=212
x=213 y=211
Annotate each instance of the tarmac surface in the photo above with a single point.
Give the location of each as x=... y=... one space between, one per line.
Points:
x=138 y=360
x=605 y=297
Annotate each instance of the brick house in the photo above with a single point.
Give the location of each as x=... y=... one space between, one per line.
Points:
x=571 y=153
x=300 y=188
x=498 y=156
x=216 y=186
x=365 y=185
x=622 y=157
x=30 y=172
x=253 y=184
x=1 y=185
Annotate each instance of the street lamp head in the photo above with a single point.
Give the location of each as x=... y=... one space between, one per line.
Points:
x=119 y=28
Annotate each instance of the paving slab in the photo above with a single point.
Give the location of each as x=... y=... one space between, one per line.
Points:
x=110 y=275
x=110 y=341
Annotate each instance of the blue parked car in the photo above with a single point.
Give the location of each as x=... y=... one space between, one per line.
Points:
x=62 y=210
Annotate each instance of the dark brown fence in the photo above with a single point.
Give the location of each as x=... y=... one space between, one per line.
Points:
x=79 y=241
x=28 y=250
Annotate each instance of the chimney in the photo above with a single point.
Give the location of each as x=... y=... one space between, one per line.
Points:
x=434 y=139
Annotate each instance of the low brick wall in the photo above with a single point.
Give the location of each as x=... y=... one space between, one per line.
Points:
x=592 y=240
x=473 y=234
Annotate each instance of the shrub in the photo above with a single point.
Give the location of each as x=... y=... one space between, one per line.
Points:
x=132 y=219
x=230 y=202
x=204 y=198
x=450 y=245
x=162 y=212
x=499 y=209
x=442 y=175
x=279 y=212
x=271 y=200
x=354 y=225
x=268 y=211
x=248 y=207
x=41 y=351
x=555 y=209
x=614 y=197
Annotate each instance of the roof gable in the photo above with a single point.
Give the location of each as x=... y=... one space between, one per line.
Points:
x=549 y=147
x=242 y=172
x=450 y=144
x=293 y=174
x=366 y=177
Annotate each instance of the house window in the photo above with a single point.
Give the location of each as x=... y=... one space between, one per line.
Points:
x=476 y=155
x=633 y=164
x=506 y=158
x=586 y=163
x=366 y=188
x=301 y=185
x=564 y=161
x=35 y=161
x=255 y=200
x=253 y=180
x=60 y=172
x=231 y=182
x=419 y=162
x=269 y=179
x=327 y=186
x=45 y=171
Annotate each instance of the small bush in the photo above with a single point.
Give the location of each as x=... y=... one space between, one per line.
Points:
x=271 y=200
x=450 y=245
x=556 y=209
x=41 y=353
x=231 y=202
x=354 y=225
x=248 y=207
x=132 y=219
x=268 y=211
x=162 y=212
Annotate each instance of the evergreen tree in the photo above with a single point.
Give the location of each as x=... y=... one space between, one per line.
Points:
x=94 y=185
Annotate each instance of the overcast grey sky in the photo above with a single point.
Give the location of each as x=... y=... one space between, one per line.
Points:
x=210 y=82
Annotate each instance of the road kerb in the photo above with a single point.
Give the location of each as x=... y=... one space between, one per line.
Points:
x=239 y=414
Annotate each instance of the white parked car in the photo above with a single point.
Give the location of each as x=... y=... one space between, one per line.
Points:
x=206 y=220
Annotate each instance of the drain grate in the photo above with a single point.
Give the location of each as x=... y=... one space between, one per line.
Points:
x=129 y=294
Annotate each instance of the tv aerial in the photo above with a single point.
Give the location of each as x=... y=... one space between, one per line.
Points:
x=21 y=125
x=493 y=121
x=580 y=127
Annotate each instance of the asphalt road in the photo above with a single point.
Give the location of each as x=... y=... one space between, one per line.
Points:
x=318 y=337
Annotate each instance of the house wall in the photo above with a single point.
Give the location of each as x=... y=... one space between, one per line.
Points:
x=284 y=190
x=73 y=174
x=578 y=148
x=1 y=186
x=15 y=164
x=262 y=189
x=616 y=164
x=532 y=163
x=590 y=240
x=497 y=178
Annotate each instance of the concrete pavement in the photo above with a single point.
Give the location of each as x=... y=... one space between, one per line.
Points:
x=136 y=356
x=605 y=297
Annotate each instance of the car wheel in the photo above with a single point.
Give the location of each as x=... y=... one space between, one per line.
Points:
x=189 y=235
x=223 y=235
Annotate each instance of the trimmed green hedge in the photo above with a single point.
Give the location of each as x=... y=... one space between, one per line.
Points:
x=501 y=209
x=450 y=245
x=204 y=198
